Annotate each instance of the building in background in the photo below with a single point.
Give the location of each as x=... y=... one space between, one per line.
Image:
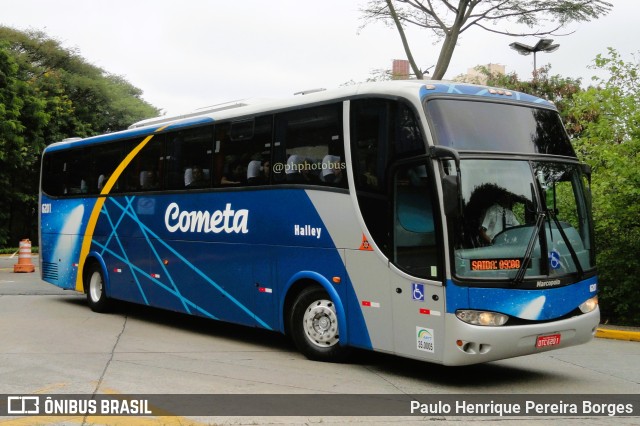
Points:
x=400 y=70
x=476 y=75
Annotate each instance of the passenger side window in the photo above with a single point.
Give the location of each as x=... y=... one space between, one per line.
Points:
x=104 y=161
x=243 y=152
x=189 y=160
x=309 y=147
x=67 y=173
x=146 y=170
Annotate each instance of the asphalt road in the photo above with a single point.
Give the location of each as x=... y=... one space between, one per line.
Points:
x=51 y=343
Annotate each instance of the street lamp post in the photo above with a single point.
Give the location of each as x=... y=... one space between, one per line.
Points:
x=544 y=45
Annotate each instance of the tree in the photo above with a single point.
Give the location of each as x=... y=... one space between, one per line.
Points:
x=608 y=116
x=48 y=93
x=447 y=21
x=92 y=100
x=22 y=120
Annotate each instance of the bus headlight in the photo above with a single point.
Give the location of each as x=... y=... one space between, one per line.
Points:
x=486 y=318
x=589 y=305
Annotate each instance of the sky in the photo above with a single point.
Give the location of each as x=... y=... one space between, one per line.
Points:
x=196 y=53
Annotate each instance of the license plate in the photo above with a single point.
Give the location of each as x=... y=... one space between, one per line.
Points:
x=546 y=341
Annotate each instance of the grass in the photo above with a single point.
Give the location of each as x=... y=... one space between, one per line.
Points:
x=11 y=250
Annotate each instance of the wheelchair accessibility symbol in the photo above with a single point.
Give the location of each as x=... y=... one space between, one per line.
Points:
x=554 y=259
x=417 y=292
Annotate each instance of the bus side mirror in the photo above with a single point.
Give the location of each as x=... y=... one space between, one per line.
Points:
x=586 y=170
x=450 y=196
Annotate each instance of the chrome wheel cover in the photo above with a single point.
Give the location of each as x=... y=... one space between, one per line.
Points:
x=95 y=287
x=320 y=324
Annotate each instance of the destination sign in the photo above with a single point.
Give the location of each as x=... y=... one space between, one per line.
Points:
x=495 y=264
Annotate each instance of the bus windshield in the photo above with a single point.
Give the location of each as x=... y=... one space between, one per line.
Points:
x=497 y=127
x=522 y=219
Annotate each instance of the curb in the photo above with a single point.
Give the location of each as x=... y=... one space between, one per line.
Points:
x=608 y=333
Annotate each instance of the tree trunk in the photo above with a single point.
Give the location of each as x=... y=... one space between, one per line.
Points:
x=405 y=43
x=446 y=53
x=451 y=38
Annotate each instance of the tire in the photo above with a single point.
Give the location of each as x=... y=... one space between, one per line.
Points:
x=94 y=286
x=313 y=324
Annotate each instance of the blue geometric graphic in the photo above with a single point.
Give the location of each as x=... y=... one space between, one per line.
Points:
x=120 y=220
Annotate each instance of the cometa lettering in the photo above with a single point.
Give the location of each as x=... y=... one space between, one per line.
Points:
x=227 y=220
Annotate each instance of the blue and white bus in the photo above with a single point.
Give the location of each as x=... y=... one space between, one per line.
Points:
x=443 y=222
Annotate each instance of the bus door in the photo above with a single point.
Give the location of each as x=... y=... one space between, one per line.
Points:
x=416 y=267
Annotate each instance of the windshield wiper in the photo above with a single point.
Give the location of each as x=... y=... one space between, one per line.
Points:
x=540 y=217
x=566 y=240
x=528 y=254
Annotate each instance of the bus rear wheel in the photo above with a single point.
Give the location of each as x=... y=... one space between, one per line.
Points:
x=94 y=287
x=314 y=326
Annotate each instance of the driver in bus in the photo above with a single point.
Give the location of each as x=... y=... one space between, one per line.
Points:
x=497 y=218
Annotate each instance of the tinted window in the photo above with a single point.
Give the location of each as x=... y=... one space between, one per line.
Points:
x=66 y=173
x=105 y=159
x=79 y=171
x=309 y=147
x=382 y=132
x=490 y=126
x=145 y=172
x=189 y=159
x=243 y=152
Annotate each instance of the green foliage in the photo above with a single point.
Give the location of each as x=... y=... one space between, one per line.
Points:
x=48 y=93
x=21 y=121
x=84 y=99
x=609 y=117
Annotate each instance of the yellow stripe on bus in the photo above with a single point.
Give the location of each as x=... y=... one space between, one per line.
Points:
x=97 y=208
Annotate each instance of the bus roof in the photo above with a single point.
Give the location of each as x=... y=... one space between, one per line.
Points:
x=247 y=107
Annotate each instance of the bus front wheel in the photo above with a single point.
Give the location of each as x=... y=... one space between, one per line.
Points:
x=95 y=289
x=314 y=326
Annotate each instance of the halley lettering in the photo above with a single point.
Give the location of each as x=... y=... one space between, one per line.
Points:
x=307 y=231
x=227 y=220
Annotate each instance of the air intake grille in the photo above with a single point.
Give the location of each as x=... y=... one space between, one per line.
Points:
x=50 y=271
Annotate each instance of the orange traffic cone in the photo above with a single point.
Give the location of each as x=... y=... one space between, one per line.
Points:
x=24 y=258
